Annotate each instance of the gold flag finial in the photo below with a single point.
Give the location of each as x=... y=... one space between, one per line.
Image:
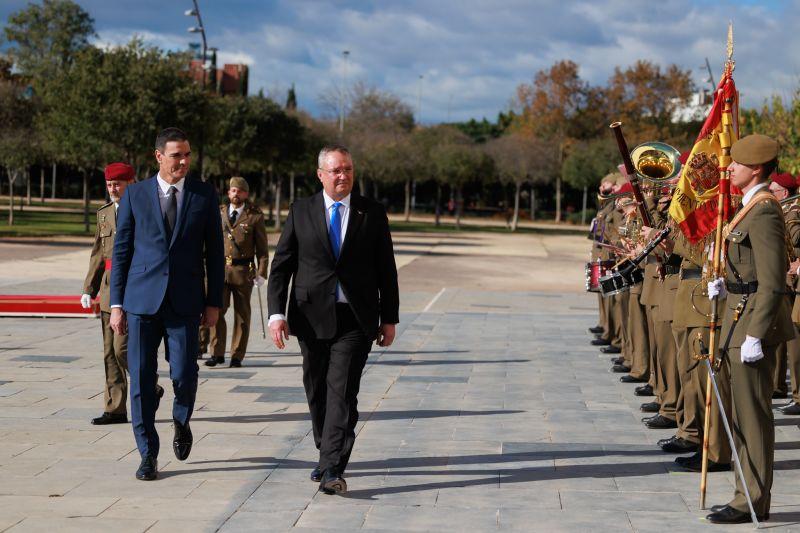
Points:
x=730 y=63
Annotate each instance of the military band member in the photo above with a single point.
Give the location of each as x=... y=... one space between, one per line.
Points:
x=599 y=253
x=782 y=186
x=115 y=394
x=245 y=238
x=791 y=213
x=757 y=319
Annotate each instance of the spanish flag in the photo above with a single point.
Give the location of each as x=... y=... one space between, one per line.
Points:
x=694 y=202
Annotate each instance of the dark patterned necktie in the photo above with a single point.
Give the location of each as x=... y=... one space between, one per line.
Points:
x=233 y=217
x=171 y=212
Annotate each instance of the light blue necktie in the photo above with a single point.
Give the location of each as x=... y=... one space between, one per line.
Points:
x=335 y=232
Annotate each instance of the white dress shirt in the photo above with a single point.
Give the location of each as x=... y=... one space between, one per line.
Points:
x=239 y=210
x=344 y=211
x=752 y=192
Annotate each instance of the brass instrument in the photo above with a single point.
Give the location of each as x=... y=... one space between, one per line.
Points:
x=656 y=162
x=789 y=199
x=656 y=189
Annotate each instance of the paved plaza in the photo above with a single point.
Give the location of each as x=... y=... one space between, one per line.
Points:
x=490 y=412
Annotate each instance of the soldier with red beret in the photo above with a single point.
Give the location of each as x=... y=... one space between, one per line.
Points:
x=118 y=176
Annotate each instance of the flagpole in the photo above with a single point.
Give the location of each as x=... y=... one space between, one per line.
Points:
x=723 y=195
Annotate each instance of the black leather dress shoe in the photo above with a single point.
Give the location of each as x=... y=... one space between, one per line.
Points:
x=236 y=363
x=631 y=379
x=650 y=407
x=610 y=349
x=182 y=442
x=644 y=390
x=148 y=469
x=677 y=445
x=596 y=329
x=332 y=483
x=214 y=361
x=618 y=360
x=159 y=395
x=791 y=408
x=620 y=369
x=600 y=342
x=316 y=475
x=694 y=463
x=109 y=418
x=729 y=515
x=661 y=422
x=779 y=394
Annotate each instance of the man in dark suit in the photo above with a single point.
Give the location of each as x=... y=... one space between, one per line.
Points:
x=168 y=238
x=337 y=249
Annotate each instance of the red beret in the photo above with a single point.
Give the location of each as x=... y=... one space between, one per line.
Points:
x=684 y=157
x=119 y=171
x=785 y=180
x=626 y=188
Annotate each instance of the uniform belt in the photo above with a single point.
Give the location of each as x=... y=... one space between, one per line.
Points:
x=691 y=273
x=671 y=269
x=238 y=261
x=748 y=287
x=108 y=264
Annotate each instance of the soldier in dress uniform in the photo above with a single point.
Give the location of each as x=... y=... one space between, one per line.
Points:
x=246 y=261
x=791 y=213
x=782 y=186
x=598 y=236
x=115 y=394
x=757 y=319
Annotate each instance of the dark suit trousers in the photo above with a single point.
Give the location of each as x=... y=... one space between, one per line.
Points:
x=332 y=376
x=145 y=333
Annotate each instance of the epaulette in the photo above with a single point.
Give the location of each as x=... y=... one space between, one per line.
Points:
x=106 y=205
x=253 y=208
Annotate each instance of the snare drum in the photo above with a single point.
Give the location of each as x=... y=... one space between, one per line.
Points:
x=620 y=281
x=594 y=271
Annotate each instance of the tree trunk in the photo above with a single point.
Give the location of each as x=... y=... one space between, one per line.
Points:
x=86 y=201
x=12 y=177
x=407 y=204
x=41 y=183
x=291 y=187
x=438 y=204
x=53 y=183
x=533 y=203
x=362 y=185
x=28 y=191
x=262 y=190
x=558 y=198
x=515 y=217
x=375 y=191
x=583 y=210
x=414 y=196
x=278 y=181
x=459 y=205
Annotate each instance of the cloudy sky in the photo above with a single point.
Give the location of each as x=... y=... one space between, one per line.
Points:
x=472 y=54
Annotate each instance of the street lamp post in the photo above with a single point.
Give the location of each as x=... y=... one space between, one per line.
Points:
x=345 y=55
x=202 y=31
x=419 y=122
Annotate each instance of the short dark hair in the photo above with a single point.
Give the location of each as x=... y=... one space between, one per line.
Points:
x=329 y=148
x=768 y=168
x=167 y=135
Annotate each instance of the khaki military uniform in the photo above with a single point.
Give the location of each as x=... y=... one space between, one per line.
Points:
x=668 y=390
x=115 y=347
x=792 y=220
x=690 y=323
x=600 y=253
x=756 y=255
x=245 y=246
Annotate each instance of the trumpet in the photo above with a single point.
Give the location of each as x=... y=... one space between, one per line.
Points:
x=647 y=189
x=782 y=202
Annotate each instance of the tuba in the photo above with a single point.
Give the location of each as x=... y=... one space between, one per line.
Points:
x=656 y=162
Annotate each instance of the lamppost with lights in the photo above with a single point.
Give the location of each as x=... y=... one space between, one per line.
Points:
x=345 y=55
x=202 y=31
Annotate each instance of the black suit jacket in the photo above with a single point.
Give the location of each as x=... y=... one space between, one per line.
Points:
x=365 y=270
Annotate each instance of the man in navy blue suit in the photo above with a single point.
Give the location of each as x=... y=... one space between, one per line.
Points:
x=169 y=240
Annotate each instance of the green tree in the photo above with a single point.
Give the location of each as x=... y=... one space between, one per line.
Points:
x=44 y=38
x=519 y=159
x=586 y=165
x=18 y=140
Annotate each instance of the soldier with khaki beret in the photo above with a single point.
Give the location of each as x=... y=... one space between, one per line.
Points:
x=246 y=261
x=115 y=347
x=757 y=319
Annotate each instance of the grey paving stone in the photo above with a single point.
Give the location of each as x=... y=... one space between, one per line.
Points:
x=45 y=358
x=432 y=379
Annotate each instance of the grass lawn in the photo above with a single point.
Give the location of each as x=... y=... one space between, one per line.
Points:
x=41 y=223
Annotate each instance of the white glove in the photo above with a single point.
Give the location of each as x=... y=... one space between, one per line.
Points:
x=717 y=288
x=751 y=350
x=259 y=281
x=86 y=301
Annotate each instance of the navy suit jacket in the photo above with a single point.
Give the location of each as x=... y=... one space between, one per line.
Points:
x=146 y=268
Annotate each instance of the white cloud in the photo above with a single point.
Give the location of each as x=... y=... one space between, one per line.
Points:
x=474 y=53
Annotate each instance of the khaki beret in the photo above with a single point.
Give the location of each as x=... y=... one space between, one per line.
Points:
x=754 y=149
x=239 y=183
